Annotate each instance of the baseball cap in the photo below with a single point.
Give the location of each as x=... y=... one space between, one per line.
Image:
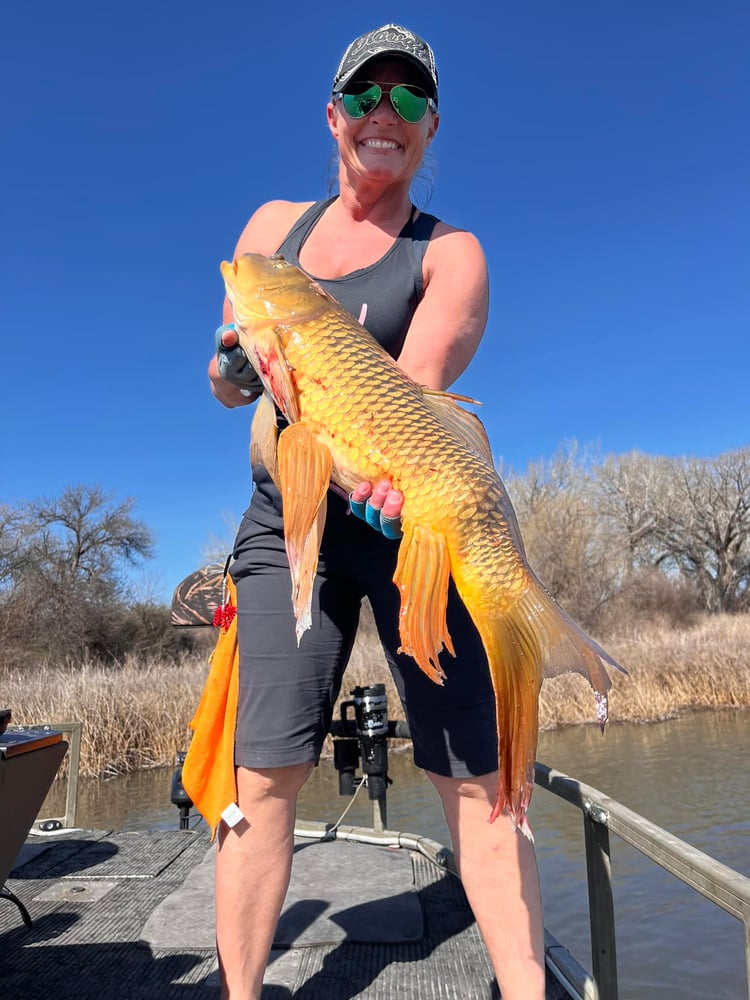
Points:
x=390 y=40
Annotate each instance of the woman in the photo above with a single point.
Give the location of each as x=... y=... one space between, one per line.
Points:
x=420 y=287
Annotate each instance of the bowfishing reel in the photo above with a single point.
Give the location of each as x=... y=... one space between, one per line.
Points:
x=365 y=737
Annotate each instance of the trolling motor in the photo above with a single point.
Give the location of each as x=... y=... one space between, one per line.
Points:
x=365 y=737
x=179 y=796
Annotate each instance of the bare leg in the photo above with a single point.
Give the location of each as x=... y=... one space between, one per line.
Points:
x=499 y=874
x=253 y=865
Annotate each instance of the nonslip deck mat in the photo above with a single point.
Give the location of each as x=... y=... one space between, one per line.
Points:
x=90 y=944
x=29 y=852
x=338 y=892
x=116 y=855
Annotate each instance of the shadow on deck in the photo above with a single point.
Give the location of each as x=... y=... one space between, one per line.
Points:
x=131 y=915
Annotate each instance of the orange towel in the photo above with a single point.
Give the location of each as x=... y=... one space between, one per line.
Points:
x=208 y=773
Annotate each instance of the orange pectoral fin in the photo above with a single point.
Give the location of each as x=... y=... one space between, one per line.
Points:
x=422 y=576
x=304 y=472
x=262 y=345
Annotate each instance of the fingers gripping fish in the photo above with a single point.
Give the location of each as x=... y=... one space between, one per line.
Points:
x=354 y=416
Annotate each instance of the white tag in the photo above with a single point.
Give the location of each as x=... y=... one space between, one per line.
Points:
x=232 y=815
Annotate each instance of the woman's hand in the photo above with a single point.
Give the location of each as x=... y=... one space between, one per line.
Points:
x=233 y=380
x=232 y=362
x=380 y=505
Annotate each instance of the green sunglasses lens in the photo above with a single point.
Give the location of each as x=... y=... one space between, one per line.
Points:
x=410 y=103
x=357 y=105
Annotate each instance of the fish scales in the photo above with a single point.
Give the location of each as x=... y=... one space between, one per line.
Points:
x=355 y=416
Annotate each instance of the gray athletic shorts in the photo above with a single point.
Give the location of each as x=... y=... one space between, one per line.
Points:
x=287 y=693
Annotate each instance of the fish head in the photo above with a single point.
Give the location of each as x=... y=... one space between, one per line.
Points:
x=269 y=289
x=270 y=297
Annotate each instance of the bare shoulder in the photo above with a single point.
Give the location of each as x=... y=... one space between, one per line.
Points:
x=450 y=245
x=450 y=319
x=268 y=226
x=455 y=256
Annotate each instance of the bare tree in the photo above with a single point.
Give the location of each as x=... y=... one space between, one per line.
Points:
x=630 y=490
x=578 y=554
x=61 y=581
x=11 y=545
x=84 y=535
x=703 y=527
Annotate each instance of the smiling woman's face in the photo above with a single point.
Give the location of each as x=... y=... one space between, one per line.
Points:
x=382 y=146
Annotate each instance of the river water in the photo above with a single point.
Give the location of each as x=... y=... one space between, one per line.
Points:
x=687 y=775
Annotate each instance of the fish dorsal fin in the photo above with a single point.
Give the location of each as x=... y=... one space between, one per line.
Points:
x=463 y=424
x=447 y=394
x=469 y=430
x=263 y=436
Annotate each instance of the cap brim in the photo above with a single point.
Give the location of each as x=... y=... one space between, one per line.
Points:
x=429 y=83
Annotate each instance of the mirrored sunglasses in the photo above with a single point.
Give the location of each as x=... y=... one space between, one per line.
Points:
x=409 y=102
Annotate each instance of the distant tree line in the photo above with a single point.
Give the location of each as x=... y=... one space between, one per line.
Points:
x=63 y=590
x=616 y=540
x=634 y=536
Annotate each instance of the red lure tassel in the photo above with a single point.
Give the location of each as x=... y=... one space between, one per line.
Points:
x=224 y=615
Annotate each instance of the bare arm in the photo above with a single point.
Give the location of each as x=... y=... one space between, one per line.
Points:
x=449 y=321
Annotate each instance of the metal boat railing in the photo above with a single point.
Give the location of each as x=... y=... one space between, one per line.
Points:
x=601 y=814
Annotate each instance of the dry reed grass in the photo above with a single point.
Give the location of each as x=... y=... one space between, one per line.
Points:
x=136 y=715
x=670 y=671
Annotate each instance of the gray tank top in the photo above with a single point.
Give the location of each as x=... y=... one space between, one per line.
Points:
x=388 y=291
x=383 y=297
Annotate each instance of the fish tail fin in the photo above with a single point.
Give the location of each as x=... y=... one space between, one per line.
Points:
x=515 y=657
x=533 y=640
x=569 y=649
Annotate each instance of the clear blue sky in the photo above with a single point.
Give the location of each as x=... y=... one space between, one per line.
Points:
x=601 y=153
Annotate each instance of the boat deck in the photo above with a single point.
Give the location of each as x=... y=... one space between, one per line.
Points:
x=131 y=915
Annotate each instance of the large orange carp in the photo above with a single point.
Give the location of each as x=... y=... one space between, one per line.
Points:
x=354 y=416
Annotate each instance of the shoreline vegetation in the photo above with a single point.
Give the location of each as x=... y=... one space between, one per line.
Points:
x=135 y=714
x=648 y=554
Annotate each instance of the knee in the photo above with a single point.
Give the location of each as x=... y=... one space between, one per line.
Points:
x=481 y=788
x=272 y=783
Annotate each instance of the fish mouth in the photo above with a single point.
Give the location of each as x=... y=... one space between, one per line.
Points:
x=267 y=276
x=262 y=288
